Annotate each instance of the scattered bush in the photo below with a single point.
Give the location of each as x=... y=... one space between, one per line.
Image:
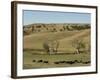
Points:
x=71 y=62
x=45 y=62
x=40 y=61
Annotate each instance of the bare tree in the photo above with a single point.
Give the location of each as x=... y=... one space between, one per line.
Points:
x=78 y=45
x=51 y=46
x=46 y=47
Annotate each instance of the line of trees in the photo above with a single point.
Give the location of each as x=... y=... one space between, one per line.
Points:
x=77 y=27
x=30 y=29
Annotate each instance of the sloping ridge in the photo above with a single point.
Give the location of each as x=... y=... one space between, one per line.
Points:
x=33 y=40
x=85 y=32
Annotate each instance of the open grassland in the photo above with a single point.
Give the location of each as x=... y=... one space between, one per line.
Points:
x=36 y=57
x=32 y=61
x=35 y=41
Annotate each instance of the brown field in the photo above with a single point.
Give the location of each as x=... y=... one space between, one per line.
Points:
x=35 y=55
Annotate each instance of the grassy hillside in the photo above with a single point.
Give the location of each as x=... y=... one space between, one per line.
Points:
x=65 y=57
x=59 y=27
x=35 y=41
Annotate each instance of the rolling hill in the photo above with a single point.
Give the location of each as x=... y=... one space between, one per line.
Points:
x=65 y=38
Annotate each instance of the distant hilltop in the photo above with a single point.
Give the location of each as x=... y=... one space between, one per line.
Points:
x=57 y=24
x=53 y=27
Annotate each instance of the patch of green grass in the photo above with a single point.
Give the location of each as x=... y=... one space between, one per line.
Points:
x=29 y=57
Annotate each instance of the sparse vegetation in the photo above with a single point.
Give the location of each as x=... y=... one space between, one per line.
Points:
x=55 y=45
x=54 y=27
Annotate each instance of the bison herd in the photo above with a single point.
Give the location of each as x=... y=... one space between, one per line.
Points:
x=61 y=62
